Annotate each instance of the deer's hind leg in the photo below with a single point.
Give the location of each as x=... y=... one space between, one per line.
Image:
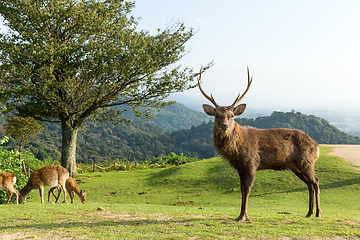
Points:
x=51 y=192
x=62 y=188
x=312 y=181
x=311 y=192
x=9 y=195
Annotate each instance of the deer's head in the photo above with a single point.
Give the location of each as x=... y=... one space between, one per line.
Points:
x=224 y=116
x=83 y=196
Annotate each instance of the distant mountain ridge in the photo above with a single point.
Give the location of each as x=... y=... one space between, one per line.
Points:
x=177 y=116
x=140 y=140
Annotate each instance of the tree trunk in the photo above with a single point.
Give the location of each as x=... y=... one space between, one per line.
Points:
x=68 y=151
x=22 y=162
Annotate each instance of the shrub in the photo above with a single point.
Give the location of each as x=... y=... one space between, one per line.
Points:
x=172 y=159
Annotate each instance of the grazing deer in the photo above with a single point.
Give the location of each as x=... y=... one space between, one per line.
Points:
x=250 y=149
x=71 y=187
x=7 y=182
x=49 y=176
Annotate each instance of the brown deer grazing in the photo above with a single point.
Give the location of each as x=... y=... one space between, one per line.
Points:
x=71 y=187
x=49 y=176
x=7 y=182
x=250 y=149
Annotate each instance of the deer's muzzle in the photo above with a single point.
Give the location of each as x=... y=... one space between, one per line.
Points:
x=224 y=127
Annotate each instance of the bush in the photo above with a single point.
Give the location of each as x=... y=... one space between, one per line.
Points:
x=172 y=159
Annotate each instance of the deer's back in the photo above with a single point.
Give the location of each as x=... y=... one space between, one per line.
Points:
x=71 y=184
x=48 y=176
x=7 y=178
x=268 y=148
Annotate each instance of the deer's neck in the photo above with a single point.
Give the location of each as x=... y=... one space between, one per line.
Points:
x=76 y=190
x=25 y=191
x=228 y=143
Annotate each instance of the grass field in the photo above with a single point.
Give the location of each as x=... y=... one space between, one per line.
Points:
x=195 y=201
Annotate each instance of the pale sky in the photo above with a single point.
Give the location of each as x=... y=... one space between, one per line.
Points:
x=302 y=54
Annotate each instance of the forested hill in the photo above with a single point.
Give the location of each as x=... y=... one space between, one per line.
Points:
x=140 y=140
x=174 y=117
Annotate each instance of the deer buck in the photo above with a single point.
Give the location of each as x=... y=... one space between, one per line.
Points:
x=49 y=176
x=71 y=187
x=250 y=149
x=7 y=182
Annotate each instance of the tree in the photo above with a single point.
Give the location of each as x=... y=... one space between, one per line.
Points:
x=22 y=130
x=66 y=61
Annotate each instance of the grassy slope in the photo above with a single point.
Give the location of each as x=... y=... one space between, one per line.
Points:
x=199 y=199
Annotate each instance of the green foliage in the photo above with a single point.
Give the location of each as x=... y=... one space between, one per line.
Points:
x=172 y=159
x=9 y=162
x=84 y=57
x=22 y=129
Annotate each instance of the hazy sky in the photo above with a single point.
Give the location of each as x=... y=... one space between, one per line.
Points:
x=302 y=54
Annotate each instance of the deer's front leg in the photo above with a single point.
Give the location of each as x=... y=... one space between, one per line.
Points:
x=246 y=182
x=41 y=191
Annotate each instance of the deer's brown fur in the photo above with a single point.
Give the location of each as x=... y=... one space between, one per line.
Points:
x=71 y=187
x=7 y=182
x=49 y=176
x=250 y=149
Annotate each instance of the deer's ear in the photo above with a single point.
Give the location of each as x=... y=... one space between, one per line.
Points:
x=239 y=109
x=209 y=110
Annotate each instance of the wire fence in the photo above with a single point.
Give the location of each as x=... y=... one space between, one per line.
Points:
x=122 y=167
x=114 y=167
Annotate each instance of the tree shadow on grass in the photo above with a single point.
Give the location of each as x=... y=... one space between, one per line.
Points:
x=105 y=223
x=165 y=173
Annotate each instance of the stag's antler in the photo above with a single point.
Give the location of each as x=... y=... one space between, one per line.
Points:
x=238 y=99
x=211 y=99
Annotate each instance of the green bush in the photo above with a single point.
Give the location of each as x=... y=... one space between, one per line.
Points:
x=172 y=159
x=9 y=162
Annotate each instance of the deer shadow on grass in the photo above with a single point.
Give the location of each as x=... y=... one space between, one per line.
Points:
x=325 y=186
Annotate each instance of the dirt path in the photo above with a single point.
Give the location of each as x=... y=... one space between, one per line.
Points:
x=350 y=153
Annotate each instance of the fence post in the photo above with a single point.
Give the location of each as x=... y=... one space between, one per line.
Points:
x=94 y=167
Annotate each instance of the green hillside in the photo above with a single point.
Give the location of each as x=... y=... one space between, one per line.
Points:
x=138 y=140
x=213 y=182
x=174 y=117
x=318 y=128
x=198 y=200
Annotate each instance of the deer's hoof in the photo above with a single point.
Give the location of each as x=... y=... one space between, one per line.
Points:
x=309 y=215
x=240 y=219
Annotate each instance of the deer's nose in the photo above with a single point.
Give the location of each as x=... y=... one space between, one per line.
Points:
x=224 y=127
